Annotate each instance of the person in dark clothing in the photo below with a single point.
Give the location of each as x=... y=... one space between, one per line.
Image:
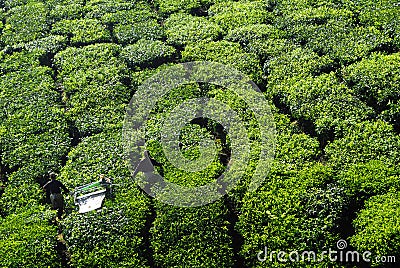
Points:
x=53 y=187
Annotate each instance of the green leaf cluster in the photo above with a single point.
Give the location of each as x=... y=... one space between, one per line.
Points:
x=93 y=81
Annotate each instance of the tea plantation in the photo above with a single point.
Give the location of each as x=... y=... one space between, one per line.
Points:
x=329 y=69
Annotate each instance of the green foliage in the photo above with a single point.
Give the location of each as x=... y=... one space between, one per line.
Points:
x=82 y=31
x=171 y=6
x=224 y=52
x=296 y=80
x=47 y=45
x=93 y=86
x=36 y=130
x=331 y=30
x=67 y=12
x=89 y=57
x=19 y=61
x=98 y=8
x=376 y=79
x=230 y=15
x=99 y=154
x=377 y=227
x=111 y=237
x=392 y=114
x=370 y=178
x=130 y=33
x=291 y=66
x=1 y=19
x=182 y=29
x=22 y=190
x=130 y=21
x=363 y=142
x=383 y=15
x=28 y=240
x=292 y=155
x=141 y=12
x=147 y=52
x=266 y=41
x=247 y=34
x=325 y=102
x=293 y=210
x=297 y=206
x=25 y=23
x=190 y=138
x=300 y=18
x=347 y=45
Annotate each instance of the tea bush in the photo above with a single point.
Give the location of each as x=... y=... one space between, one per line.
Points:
x=296 y=209
x=231 y=14
x=297 y=63
x=266 y=41
x=98 y=154
x=27 y=237
x=147 y=53
x=376 y=79
x=363 y=142
x=88 y=57
x=82 y=31
x=25 y=23
x=46 y=46
x=377 y=227
x=112 y=236
x=139 y=12
x=299 y=205
x=97 y=9
x=204 y=232
x=22 y=189
x=345 y=44
x=94 y=89
x=383 y=15
x=331 y=30
x=392 y=114
x=35 y=129
x=67 y=12
x=19 y=61
x=198 y=237
x=130 y=33
x=170 y=6
x=182 y=29
x=227 y=53
x=325 y=102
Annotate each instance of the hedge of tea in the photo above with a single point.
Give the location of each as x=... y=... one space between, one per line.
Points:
x=224 y=52
x=197 y=237
x=297 y=208
x=381 y=213
x=25 y=23
x=33 y=126
x=375 y=80
x=93 y=86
